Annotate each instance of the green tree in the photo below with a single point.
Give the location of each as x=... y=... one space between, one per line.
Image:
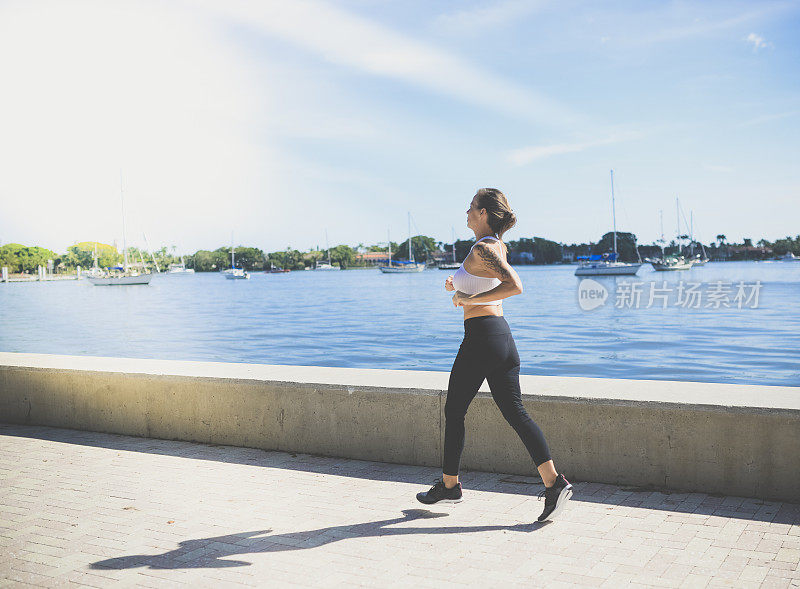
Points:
x=626 y=245
x=164 y=259
x=544 y=251
x=249 y=258
x=422 y=246
x=208 y=261
x=462 y=248
x=19 y=258
x=290 y=259
x=381 y=248
x=82 y=254
x=787 y=244
x=343 y=255
x=9 y=256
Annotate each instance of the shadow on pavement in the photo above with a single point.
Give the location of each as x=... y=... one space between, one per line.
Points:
x=208 y=552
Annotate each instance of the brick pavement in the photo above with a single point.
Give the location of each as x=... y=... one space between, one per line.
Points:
x=105 y=510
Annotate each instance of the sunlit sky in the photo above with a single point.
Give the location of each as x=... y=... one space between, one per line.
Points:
x=279 y=121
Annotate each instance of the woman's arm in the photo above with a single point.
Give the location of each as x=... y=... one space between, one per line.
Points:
x=498 y=267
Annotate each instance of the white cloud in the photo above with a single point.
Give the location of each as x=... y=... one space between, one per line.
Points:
x=757 y=41
x=526 y=155
x=483 y=17
x=717 y=168
x=769 y=118
x=367 y=46
x=679 y=21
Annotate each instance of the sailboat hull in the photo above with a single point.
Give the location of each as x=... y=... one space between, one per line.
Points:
x=405 y=269
x=670 y=264
x=620 y=269
x=673 y=267
x=121 y=280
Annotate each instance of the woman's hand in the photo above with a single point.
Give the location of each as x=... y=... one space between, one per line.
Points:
x=460 y=298
x=448 y=284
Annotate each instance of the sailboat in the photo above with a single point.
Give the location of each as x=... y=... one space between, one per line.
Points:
x=179 y=269
x=607 y=264
x=697 y=259
x=95 y=271
x=404 y=267
x=126 y=276
x=322 y=264
x=672 y=262
x=234 y=273
x=451 y=265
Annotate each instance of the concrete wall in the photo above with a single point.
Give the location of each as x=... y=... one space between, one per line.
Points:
x=714 y=438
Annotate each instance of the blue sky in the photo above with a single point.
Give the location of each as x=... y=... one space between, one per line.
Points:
x=279 y=121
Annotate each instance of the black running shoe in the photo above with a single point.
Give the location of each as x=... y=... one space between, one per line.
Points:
x=555 y=498
x=441 y=494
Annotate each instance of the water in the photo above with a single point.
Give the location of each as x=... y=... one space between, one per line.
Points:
x=365 y=319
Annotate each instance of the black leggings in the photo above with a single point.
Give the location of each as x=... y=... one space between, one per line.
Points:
x=487 y=352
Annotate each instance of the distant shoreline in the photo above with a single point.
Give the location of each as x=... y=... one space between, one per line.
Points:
x=22 y=277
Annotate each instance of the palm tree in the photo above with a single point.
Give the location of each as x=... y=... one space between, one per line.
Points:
x=721 y=239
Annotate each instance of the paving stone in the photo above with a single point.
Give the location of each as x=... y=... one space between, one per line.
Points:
x=104 y=510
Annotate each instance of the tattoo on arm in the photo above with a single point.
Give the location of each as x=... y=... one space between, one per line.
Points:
x=491 y=259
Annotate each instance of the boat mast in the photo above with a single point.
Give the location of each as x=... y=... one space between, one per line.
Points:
x=124 y=245
x=614 y=213
x=691 y=233
x=327 y=247
x=389 y=240
x=678 y=218
x=410 y=245
x=454 y=243
x=661 y=241
x=152 y=255
x=232 y=256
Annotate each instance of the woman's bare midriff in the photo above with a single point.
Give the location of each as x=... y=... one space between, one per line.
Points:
x=471 y=311
x=480 y=310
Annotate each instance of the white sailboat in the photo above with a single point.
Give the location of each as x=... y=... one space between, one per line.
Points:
x=607 y=264
x=127 y=276
x=322 y=264
x=95 y=271
x=234 y=273
x=697 y=259
x=179 y=269
x=451 y=265
x=672 y=262
x=404 y=267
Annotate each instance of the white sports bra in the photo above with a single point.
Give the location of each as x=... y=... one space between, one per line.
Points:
x=471 y=284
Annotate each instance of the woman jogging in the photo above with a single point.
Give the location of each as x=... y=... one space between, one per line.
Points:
x=488 y=352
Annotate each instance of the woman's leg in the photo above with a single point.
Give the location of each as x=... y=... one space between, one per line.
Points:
x=466 y=378
x=504 y=384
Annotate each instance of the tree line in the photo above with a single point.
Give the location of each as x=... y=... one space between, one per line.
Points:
x=19 y=258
